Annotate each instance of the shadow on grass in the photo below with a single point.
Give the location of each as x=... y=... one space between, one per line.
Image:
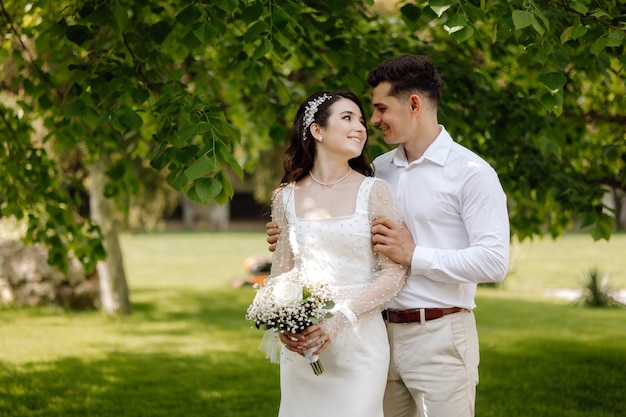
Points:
x=552 y=378
x=218 y=310
x=564 y=361
x=227 y=378
x=132 y=385
x=538 y=359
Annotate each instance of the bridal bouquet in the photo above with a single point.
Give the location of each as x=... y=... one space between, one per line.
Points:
x=288 y=302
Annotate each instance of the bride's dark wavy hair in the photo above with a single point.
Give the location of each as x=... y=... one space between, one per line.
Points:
x=301 y=150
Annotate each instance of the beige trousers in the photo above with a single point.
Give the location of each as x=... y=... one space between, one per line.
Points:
x=433 y=370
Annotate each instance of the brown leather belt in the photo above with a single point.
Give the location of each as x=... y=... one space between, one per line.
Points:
x=415 y=314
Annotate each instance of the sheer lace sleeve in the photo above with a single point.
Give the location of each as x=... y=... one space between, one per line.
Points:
x=282 y=261
x=388 y=277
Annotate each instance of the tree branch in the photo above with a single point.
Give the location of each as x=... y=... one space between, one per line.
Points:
x=565 y=6
x=597 y=116
x=134 y=59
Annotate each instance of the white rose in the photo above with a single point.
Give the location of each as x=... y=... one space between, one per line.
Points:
x=260 y=295
x=287 y=293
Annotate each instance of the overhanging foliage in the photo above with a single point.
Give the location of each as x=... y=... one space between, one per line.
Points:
x=199 y=88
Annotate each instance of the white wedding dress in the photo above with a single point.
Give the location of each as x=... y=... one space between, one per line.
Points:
x=338 y=250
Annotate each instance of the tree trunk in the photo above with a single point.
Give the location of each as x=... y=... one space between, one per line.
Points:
x=113 y=289
x=620 y=208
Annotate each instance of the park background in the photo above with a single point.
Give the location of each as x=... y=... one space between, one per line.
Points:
x=141 y=141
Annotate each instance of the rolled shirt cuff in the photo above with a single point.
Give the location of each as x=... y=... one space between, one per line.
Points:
x=422 y=259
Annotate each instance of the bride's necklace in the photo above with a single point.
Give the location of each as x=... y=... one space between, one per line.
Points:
x=330 y=184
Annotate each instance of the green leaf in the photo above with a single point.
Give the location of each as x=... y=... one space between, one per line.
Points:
x=598 y=46
x=579 y=32
x=599 y=13
x=184 y=156
x=188 y=15
x=76 y=109
x=231 y=161
x=44 y=102
x=540 y=19
x=410 y=12
x=140 y=95
x=572 y=33
x=566 y=35
x=537 y=26
x=121 y=17
x=56 y=213
x=586 y=218
x=78 y=34
x=98 y=250
x=539 y=53
x=189 y=132
x=205 y=32
x=548 y=147
x=29 y=86
x=252 y=12
x=201 y=167
x=553 y=80
x=229 y=6
x=560 y=59
x=57 y=256
x=117 y=170
x=473 y=13
x=101 y=15
x=117 y=124
x=522 y=19
x=615 y=38
x=552 y=102
x=85 y=11
x=111 y=189
x=254 y=31
x=191 y=41
x=252 y=74
x=159 y=31
x=207 y=188
x=177 y=179
x=264 y=48
x=227 y=190
x=603 y=227
x=159 y=157
x=129 y=118
x=464 y=34
x=440 y=6
x=229 y=131
x=455 y=23
x=579 y=7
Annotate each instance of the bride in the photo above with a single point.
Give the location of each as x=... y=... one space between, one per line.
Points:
x=324 y=209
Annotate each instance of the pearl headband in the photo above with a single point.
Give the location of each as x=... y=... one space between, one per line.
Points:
x=309 y=112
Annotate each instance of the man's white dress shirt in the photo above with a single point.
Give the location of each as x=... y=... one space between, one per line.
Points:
x=454 y=206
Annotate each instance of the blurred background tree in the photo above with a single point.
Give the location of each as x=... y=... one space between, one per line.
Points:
x=108 y=106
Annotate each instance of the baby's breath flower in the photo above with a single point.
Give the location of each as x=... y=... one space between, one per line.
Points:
x=290 y=302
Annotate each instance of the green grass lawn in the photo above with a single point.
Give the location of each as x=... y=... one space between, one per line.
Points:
x=187 y=350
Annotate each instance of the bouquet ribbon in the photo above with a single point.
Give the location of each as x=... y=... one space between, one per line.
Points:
x=314 y=360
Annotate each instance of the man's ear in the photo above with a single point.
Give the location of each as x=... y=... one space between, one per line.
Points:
x=415 y=102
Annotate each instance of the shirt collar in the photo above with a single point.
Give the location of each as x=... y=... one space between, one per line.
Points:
x=437 y=152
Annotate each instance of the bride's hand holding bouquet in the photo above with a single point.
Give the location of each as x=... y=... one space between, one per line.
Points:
x=291 y=303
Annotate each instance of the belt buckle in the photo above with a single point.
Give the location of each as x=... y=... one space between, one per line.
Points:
x=422 y=315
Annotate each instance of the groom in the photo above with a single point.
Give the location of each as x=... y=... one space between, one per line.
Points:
x=456 y=236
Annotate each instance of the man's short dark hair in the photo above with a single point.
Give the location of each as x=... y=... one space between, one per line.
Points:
x=408 y=74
